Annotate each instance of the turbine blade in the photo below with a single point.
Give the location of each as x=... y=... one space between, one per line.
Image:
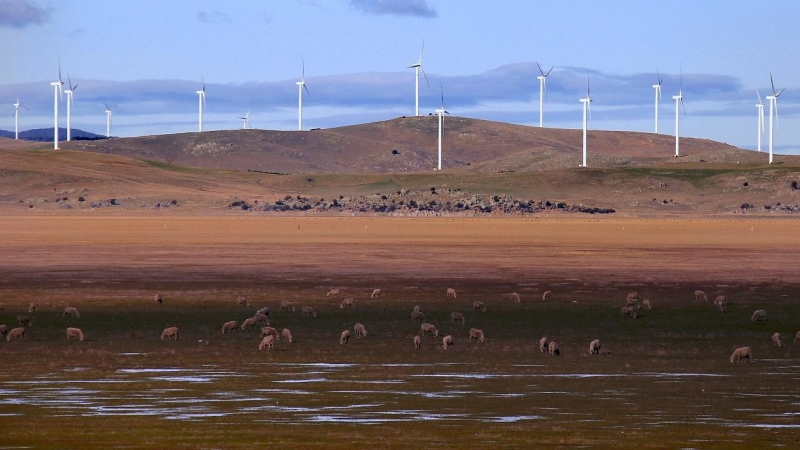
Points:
x=683 y=107
x=204 y=84
x=441 y=89
x=773 y=84
x=759 y=97
x=541 y=72
x=426 y=76
x=246 y=116
x=304 y=87
x=74 y=87
x=115 y=106
x=106 y=105
x=779 y=93
x=659 y=77
x=23 y=106
x=59 y=69
x=548 y=72
x=421 y=52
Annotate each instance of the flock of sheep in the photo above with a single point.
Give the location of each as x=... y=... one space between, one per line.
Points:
x=269 y=334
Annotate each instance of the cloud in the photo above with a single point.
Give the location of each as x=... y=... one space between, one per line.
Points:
x=21 y=13
x=212 y=17
x=418 y=8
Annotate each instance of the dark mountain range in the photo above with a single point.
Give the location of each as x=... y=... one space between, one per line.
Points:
x=46 y=135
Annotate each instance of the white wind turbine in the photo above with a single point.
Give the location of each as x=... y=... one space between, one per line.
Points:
x=773 y=104
x=586 y=108
x=760 y=126
x=417 y=66
x=542 y=91
x=300 y=86
x=657 y=87
x=201 y=100
x=17 y=106
x=678 y=104
x=69 y=107
x=245 y=120
x=57 y=88
x=441 y=112
x=108 y=118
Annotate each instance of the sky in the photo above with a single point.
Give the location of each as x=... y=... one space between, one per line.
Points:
x=149 y=57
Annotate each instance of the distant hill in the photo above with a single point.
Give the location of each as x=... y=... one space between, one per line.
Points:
x=46 y=135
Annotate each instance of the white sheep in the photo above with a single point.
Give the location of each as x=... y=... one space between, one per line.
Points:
x=759 y=316
x=552 y=349
x=447 y=342
x=32 y=307
x=309 y=311
x=348 y=302
x=286 y=335
x=776 y=339
x=700 y=296
x=344 y=337
x=17 y=333
x=417 y=342
x=229 y=326
x=360 y=330
x=627 y=311
x=269 y=331
x=242 y=301
x=797 y=337
x=71 y=311
x=376 y=293
x=250 y=322
x=646 y=304
x=170 y=333
x=475 y=333
x=74 y=333
x=417 y=316
x=451 y=292
x=333 y=293
x=24 y=321
x=261 y=318
x=457 y=317
x=546 y=295
x=158 y=298
x=594 y=347
x=429 y=328
x=478 y=306
x=267 y=342
x=287 y=305
x=543 y=344
x=741 y=353
x=264 y=311
x=4 y=330
x=721 y=302
x=514 y=296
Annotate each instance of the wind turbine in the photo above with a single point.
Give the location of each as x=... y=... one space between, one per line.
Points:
x=417 y=66
x=586 y=108
x=17 y=106
x=201 y=100
x=760 y=127
x=678 y=104
x=57 y=87
x=300 y=86
x=108 y=118
x=441 y=112
x=657 y=87
x=69 y=107
x=773 y=104
x=542 y=91
x=245 y=120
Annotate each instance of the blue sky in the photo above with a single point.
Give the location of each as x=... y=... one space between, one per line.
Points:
x=149 y=56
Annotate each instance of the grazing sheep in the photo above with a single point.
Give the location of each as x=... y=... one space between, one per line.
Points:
x=416 y=308
x=158 y=298
x=229 y=326
x=348 y=302
x=552 y=349
x=333 y=293
x=447 y=342
x=344 y=337
x=475 y=333
x=286 y=335
x=457 y=317
x=171 y=332
x=261 y=318
x=250 y=322
x=417 y=316
x=633 y=299
x=646 y=304
x=309 y=311
x=266 y=342
x=700 y=295
x=514 y=296
x=4 y=330
x=478 y=306
x=776 y=339
x=429 y=328
x=32 y=307
x=451 y=292
x=74 y=333
x=376 y=293
x=759 y=316
x=721 y=302
x=417 y=342
x=24 y=321
x=269 y=331
x=594 y=347
x=360 y=330
x=264 y=311
x=543 y=344
x=287 y=305
x=796 y=337
x=70 y=311
x=627 y=311
x=242 y=301
x=546 y=295
x=742 y=353
x=17 y=333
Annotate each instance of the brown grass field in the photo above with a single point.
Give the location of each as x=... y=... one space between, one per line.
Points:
x=662 y=380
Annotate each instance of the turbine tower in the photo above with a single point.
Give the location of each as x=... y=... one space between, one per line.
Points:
x=57 y=87
x=542 y=91
x=760 y=126
x=417 y=66
x=441 y=112
x=300 y=86
x=201 y=100
x=245 y=120
x=17 y=106
x=657 y=87
x=773 y=104
x=586 y=108
x=108 y=118
x=69 y=107
x=678 y=104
